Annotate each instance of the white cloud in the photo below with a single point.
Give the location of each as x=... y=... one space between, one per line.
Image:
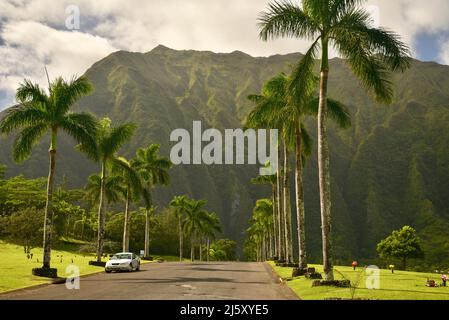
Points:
x=444 y=52
x=32 y=31
x=31 y=45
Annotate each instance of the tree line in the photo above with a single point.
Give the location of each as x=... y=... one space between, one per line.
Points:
x=39 y=112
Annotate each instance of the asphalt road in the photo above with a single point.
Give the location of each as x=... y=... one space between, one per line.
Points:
x=171 y=281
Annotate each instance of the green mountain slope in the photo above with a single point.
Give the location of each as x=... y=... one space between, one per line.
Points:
x=391 y=168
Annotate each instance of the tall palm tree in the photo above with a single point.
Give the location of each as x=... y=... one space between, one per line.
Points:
x=39 y=112
x=195 y=215
x=109 y=140
x=370 y=52
x=134 y=191
x=272 y=181
x=180 y=203
x=153 y=170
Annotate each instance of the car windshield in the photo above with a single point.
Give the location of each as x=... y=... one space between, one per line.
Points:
x=121 y=256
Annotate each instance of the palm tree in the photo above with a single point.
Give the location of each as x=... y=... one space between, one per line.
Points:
x=271 y=180
x=109 y=140
x=261 y=226
x=195 y=215
x=38 y=113
x=180 y=204
x=114 y=189
x=370 y=52
x=210 y=226
x=153 y=171
x=134 y=190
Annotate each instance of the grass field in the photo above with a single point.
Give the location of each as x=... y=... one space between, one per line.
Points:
x=398 y=286
x=15 y=268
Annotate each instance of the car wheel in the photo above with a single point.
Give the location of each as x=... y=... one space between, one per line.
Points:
x=131 y=269
x=108 y=271
x=138 y=267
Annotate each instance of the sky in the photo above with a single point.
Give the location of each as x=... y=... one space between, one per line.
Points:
x=38 y=33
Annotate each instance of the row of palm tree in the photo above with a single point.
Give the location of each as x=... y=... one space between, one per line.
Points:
x=371 y=53
x=41 y=112
x=277 y=107
x=261 y=232
x=200 y=225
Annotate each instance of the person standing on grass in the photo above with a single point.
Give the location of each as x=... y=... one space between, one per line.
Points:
x=444 y=279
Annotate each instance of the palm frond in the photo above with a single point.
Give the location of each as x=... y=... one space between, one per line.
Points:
x=67 y=93
x=22 y=115
x=30 y=92
x=339 y=113
x=83 y=128
x=368 y=67
x=260 y=180
x=307 y=142
x=116 y=138
x=387 y=44
x=303 y=80
x=26 y=139
x=286 y=19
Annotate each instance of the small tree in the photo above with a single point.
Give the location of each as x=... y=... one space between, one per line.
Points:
x=24 y=228
x=402 y=244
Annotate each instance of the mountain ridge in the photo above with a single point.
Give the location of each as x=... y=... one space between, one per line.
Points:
x=389 y=153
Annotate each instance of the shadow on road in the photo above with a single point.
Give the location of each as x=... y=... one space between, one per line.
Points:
x=220 y=270
x=172 y=280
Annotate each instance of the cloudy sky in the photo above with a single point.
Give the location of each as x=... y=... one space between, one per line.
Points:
x=34 y=33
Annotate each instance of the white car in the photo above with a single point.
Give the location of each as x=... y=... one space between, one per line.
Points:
x=123 y=261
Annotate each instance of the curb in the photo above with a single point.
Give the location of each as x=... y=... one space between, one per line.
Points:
x=291 y=295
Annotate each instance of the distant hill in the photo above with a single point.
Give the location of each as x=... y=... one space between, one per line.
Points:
x=390 y=169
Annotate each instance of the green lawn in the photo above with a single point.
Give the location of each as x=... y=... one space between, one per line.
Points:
x=398 y=286
x=15 y=268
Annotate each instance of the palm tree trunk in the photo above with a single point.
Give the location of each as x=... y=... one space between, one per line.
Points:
x=208 y=249
x=192 y=249
x=275 y=222
x=127 y=222
x=180 y=239
x=263 y=248
x=300 y=212
x=280 y=204
x=147 y=233
x=48 y=221
x=201 y=249
x=101 y=214
x=287 y=207
x=323 y=166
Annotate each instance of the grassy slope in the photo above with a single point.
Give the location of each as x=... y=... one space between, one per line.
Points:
x=398 y=286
